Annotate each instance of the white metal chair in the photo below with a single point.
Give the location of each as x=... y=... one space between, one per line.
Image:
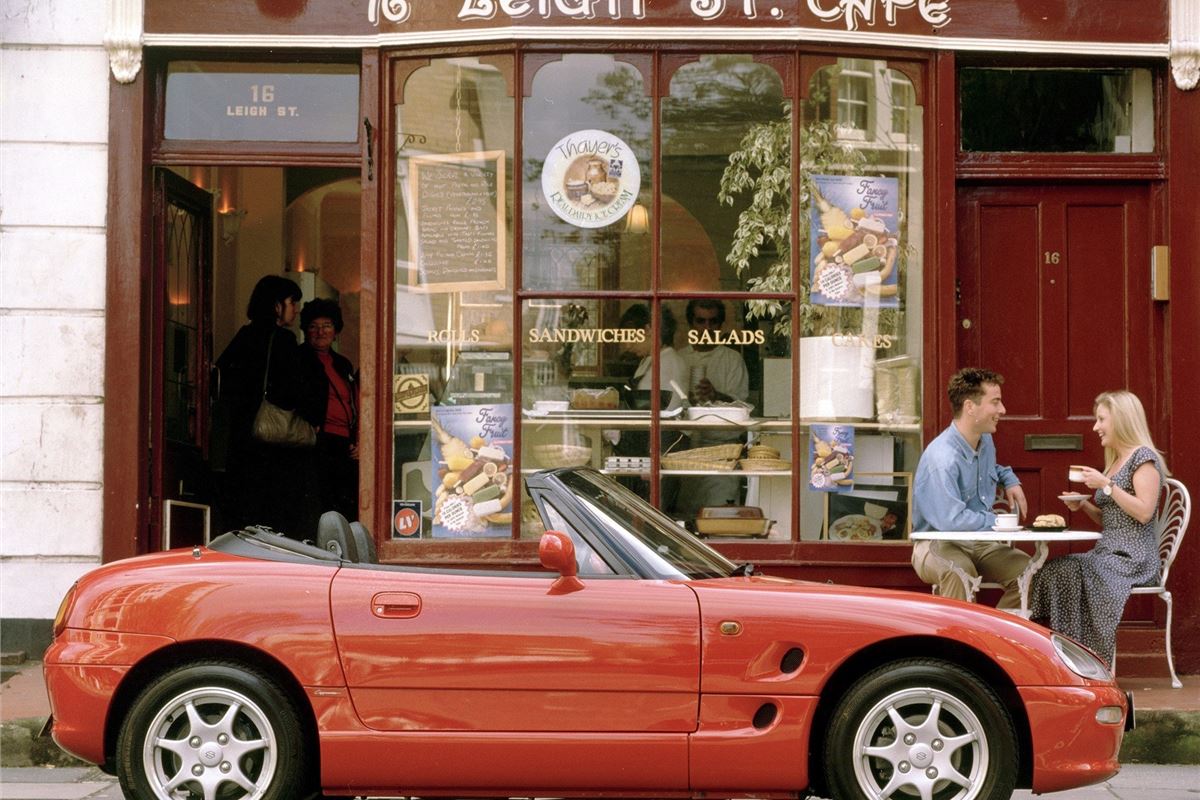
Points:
x=1174 y=511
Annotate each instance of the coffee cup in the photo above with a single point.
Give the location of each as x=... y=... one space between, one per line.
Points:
x=1076 y=473
x=1006 y=520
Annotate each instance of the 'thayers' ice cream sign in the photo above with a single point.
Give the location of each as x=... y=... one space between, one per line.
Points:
x=591 y=178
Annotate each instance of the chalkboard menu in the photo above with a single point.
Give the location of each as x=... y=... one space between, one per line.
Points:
x=456 y=225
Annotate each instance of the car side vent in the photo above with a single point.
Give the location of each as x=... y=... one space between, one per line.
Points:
x=791 y=660
x=765 y=715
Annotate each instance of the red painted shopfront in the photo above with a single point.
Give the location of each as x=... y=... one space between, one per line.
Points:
x=820 y=208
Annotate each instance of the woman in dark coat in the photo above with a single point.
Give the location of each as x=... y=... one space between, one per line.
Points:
x=264 y=483
x=332 y=395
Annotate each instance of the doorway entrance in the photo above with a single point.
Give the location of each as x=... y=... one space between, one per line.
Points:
x=217 y=232
x=1053 y=291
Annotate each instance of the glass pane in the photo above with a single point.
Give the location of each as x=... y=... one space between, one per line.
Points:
x=726 y=141
x=181 y=331
x=732 y=446
x=452 y=376
x=862 y=236
x=227 y=101
x=1057 y=110
x=587 y=175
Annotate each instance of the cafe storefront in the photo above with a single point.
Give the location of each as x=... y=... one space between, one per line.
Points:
x=726 y=252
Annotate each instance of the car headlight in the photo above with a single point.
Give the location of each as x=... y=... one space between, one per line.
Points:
x=1079 y=659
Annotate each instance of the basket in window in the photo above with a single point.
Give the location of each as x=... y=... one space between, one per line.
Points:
x=554 y=456
x=717 y=457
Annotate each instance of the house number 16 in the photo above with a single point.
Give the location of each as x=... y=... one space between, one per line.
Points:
x=1053 y=257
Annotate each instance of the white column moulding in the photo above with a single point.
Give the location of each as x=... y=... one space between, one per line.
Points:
x=123 y=39
x=1185 y=43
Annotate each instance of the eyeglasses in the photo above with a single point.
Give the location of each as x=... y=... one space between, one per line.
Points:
x=321 y=326
x=714 y=322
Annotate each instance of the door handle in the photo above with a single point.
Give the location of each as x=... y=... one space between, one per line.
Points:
x=396 y=605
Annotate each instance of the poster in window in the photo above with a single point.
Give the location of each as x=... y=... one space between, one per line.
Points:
x=855 y=241
x=472 y=466
x=831 y=458
x=456 y=228
x=877 y=509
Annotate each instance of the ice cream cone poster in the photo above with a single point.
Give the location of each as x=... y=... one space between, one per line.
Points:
x=472 y=464
x=854 y=241
x=831 y=458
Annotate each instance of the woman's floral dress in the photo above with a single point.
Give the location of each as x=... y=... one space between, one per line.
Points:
x=1083 y=595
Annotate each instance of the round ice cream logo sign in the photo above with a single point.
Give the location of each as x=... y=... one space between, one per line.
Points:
x=591 y=178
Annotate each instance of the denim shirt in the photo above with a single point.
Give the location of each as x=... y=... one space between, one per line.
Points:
x=955 y=485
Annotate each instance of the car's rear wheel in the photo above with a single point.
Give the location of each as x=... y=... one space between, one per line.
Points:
x=212 y=731
x=921 y=728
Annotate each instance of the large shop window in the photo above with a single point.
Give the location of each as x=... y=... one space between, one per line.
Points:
x=694 y=232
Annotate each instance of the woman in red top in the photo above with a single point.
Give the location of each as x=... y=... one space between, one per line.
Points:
x=332 y=386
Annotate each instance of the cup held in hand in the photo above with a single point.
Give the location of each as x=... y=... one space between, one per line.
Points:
x=1076 y=473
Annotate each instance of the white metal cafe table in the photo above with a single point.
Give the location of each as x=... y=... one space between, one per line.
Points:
x=1040 y=539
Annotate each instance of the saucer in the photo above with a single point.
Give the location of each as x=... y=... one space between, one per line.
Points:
x=1074 y=496
x=999 y=529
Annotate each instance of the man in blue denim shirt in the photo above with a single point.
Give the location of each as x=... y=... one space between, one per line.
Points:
x=955 y=488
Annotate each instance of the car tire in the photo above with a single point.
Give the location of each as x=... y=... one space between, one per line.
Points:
x=884 y=740
x=215 y=724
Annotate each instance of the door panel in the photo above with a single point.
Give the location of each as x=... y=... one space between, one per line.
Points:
x=502 y=653
x=1053 y=284
x=181 y=281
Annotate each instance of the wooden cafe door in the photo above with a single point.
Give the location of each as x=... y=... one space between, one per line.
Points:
x=1054 y=294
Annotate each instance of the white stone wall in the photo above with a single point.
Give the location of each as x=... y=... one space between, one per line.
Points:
x=53 y=190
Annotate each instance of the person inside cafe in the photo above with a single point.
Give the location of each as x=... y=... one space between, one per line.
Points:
x=265 y=484
x=671 y=368
x=1082 y=595
x=955 y=488
x=717 y=373
x=332 y=388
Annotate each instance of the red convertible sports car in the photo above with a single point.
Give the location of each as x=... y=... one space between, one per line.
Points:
x=636 y=662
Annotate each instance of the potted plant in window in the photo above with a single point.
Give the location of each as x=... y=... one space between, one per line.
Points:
x=761 y=255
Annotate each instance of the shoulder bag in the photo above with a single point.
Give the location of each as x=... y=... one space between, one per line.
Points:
x=275 y=425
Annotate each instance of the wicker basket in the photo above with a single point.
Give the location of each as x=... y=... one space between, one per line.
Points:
x=553 y=456
x=765 y=464
x=718 y=457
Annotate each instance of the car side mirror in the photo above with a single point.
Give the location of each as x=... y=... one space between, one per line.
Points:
x=556 y=551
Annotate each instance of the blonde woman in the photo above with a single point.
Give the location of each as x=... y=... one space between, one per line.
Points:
x=1083 y=595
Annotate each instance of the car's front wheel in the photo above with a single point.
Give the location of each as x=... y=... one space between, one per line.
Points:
x=921 y=728
x=212 y=731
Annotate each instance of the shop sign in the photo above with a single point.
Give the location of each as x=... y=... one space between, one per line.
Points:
x=587 y=335
x=219 y=101
x=850 y=13
x=591 y=178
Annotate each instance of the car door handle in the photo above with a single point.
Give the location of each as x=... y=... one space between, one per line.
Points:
x=396 y=605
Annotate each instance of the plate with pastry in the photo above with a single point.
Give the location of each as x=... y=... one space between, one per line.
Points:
x=1049 y=522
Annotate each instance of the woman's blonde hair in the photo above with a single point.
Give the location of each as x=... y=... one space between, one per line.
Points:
x=1130 y=428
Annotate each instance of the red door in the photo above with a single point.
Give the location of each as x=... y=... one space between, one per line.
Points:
x=1054 y=294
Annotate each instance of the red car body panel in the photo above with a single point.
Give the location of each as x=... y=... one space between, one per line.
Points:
x=81 y=679
x=500 y=653
x=442 y=683
x=1070 y=748
x=829 y=623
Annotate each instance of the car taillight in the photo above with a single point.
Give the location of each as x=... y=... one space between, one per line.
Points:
x=64 y=610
